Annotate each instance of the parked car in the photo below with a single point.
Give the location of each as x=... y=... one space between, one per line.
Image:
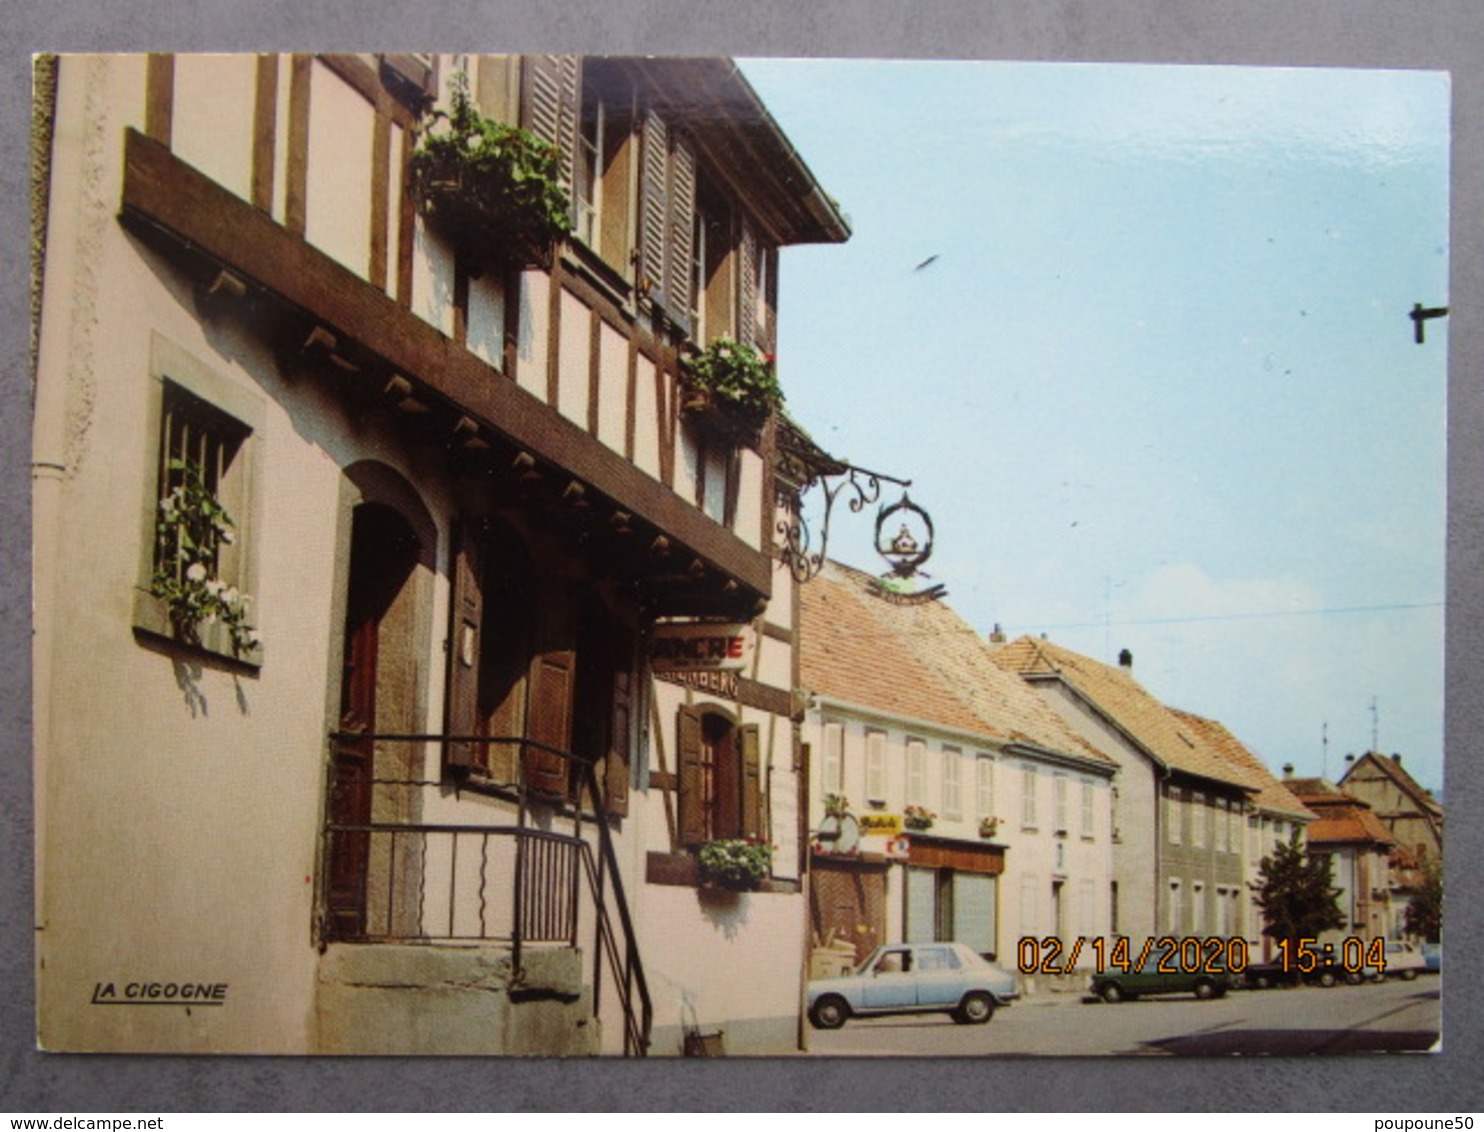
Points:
x=1432 y=955
x=1328 y=971
x=914 y=978
x=1404 y=960
x=1118 y=986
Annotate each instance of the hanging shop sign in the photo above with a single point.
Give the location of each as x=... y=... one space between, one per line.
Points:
x=701 y=648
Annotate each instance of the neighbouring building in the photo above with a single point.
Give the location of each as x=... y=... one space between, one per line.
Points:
x=1274 y=815
x=1348 y=833
x=946 y=800
x=1411 y=814
x=1179 y=809
x=403 y=625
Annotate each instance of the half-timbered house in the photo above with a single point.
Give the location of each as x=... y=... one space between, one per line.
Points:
x=356 y=526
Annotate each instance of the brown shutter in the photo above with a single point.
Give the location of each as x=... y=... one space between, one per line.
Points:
x=752 y=781
x=654 y=207
x=553 y=98
x=692 y=816
x=681 y=232
x=747 y=253
x=464 y=647
x=550 y=720
x=616 y=770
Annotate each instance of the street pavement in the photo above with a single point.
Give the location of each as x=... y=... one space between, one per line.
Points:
x=1390 y=1016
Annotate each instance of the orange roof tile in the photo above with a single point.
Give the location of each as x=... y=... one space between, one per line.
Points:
x=1155 y=727
x=1341 y=817
x=1271 y=794
x=921 y=662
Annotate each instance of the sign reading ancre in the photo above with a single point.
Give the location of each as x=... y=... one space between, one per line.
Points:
x=697 y=648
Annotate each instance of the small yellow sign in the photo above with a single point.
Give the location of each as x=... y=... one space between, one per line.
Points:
x=879 y=825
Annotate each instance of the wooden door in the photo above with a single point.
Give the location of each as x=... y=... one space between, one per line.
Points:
x=382 y=552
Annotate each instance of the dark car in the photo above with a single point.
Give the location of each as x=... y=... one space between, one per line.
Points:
x=1209 y=981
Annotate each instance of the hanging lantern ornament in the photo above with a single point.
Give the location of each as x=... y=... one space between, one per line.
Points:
x=904 y=537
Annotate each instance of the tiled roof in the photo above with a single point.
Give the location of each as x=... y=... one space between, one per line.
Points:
x=1341 y=818
x=921 y=662
x=1272 y=794
x=1155 y=727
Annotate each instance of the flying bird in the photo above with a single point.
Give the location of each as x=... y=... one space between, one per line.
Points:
x=927 y=262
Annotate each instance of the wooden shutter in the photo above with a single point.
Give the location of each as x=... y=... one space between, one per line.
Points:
x=616 y=768
x=752 y=781
x=553 y=99
x=464 y=645
x=692 y=823
x=747 y=253
x=654 y=207
x=680 y=232
x=550 y=720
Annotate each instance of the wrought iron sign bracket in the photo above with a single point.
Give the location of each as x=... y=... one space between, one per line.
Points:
x=861 y=487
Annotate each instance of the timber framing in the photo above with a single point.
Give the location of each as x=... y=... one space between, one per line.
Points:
x=208 y=227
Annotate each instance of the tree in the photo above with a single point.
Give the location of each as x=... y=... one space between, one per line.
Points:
x=1296 y=896
x=1425 y=910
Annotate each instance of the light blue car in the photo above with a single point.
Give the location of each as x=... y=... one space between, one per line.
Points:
x=914 y=978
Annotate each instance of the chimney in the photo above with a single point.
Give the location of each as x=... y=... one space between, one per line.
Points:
x=1287 y=770
x=1125 y=659
x=1396 y=758
x=1349 y=759
x=997 y=635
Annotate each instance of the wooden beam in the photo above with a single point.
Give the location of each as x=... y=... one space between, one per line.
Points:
x=162 y=192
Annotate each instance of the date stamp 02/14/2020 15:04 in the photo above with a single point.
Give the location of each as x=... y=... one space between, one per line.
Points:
x=1050 y=955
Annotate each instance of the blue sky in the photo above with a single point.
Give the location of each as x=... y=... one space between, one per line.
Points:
x=1159 y=389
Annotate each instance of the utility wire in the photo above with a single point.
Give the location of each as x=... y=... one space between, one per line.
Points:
x=1248 y=616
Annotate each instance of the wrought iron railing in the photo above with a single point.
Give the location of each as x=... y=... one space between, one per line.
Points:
x=390 y=877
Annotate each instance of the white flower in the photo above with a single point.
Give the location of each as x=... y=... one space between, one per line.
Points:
x=231 y=596
x=226 y=536
x=195 y=572
x=214 y=587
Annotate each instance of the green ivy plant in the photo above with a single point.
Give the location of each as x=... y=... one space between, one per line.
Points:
x=740 y=864
x=735 y=379
x=493 y=183
x=190 y=530
x=836 y=805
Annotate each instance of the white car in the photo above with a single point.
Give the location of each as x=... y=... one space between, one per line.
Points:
x=914 y=978
x=1404 y=960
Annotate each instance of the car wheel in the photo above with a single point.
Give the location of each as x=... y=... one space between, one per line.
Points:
x=1326 y=978
x=1408 y=975
x=829 y=1013
x=1110 y=992
x=1205 y=989
x=976 y=1009
x=1262 y=982
x=1354 y=978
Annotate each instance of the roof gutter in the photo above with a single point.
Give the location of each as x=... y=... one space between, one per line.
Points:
x=978 y=739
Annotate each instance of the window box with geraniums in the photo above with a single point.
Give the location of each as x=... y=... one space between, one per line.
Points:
x=191 y=529
x=731 y=386
x=492 y=185
x=738 y=864
x=988 y=827
x=919 y=818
